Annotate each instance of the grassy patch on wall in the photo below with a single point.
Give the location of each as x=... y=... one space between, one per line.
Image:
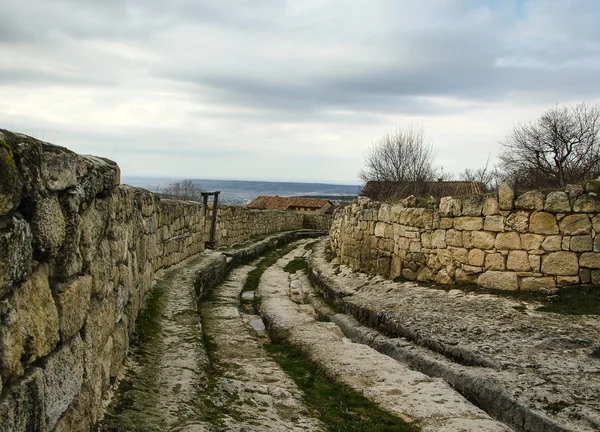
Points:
x=335 y=404
x=295 y=265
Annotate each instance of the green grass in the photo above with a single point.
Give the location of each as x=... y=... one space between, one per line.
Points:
x=296 y=265
x=271 y=257
x=308 y=246
x=335 y=404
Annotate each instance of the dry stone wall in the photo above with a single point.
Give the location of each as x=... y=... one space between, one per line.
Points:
x=532 y=242
x=78 y=252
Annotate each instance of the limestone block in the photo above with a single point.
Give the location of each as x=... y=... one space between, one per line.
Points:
x=12 y=344
x=587 y=203
x=535 y=262
x=101 y=321
x=63 y=376
x=506 y=197
x=581 y=243
x=543 y=223
x=532 y=200
x=466 y=237
x=472 y=205
x=595 y=275
x=438 y=239
x=518 y=261
x=446 y=223
x=537 y=284
x=476 y=257
x=500 y=280
x=408 y=274
x=427 y=240
x=444 y=256
x=596 y=223
x=518 y=221
x=59 y=169
x=494 y=223
x=459 y=254
x=16 y=251
x=531 y=241
x=22 y=407
x=73 y=303
x=468 y=223
x=490 y=206
x=443 y=278
x=585 y=276
x=450 y=206
x=483 y=239
x=575 y=224
x=552 y=243
x=462 y=277
x=567 y=280
x=385 y=213
x=560 y=264
x=557 y=202
x=454 y=238
x=508 y=240
x=38 y=315
x=590 y=260
x=395 y=266
x=425 y=274
x=494 y=262
x=11 y=183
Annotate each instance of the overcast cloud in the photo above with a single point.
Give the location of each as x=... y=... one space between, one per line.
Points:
x=287 y=90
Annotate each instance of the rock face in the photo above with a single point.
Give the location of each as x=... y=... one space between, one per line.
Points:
x=538 y=241
x=78 y=253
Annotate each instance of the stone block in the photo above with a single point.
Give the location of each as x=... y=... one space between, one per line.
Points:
x=552 y=243
x=63 y=376
x=444 y=256
x=483 y=239
x=531 y=241
x=506 y=197
x=446 y=223
x=585 y=275
x=517 y=221
x=466 y=237
x=22 y=407
x=518 y=261
x=438 y=239
x=427 y=240
x=543 y=223
x=443 y=278
x=73 y=303
x=462 y=277
x=450 y=207
x=59 y=169
x=11 y=183
x=459 y=254
x=508 y=240
x=471 y=269
x=581 y=243
x=557 y=202
x=567 y=280
x=12 y=343
x=537 y=284
x=494 y=262
x=468 y=223
x=49 y=226
x=586 y=203
x=476 y=257
x=590 y=260
x=425 y=274
x=454 y=238
x=395 y=266
x=500 y=280
x=595 y=275
x=494 y=223
x=575 y=224
x=596 y=223
x=38 y=315
x=535 y=262
x=532 y=200
x=490 y=206
x=472 y=205
x=16 y=250
x=560 y=264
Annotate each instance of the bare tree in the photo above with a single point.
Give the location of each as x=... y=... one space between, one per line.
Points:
x=402 y=157
x=185 y=190
x=486 y=176
x=561 y=147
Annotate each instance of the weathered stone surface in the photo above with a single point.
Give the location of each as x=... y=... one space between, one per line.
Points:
x=472 y=205
x=557 y=202
x=48 y=226
x=11 y=183
x=537 y=284
x=438 y=238
x=587 y=203
x=506 y=197
x=380 y=229
x=518 y=261
x=59 y=168
x=63 y=373
x=590 y=260
x=450 y=206
x=581 y=243
x=567 y=280
x=483 y=239
x=532 y=200
x=518 y=221
x=11 y=342
x=560 y=263
x=494 y=223
x=461 y=277
x=531 y=241
x=494 y=262
x=552 y=243
x=468 y=223
x=535 y=262
x=543 y=223
x=454 y=238
x=575 y=224
x=16 y=251
x=73 y=303
x=38 y=315
x=500 y=280
x=508 y=240
x=490 y=206
x=22 y=409
x=476 y=257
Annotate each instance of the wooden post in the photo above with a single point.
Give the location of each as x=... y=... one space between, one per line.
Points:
x=213 y=225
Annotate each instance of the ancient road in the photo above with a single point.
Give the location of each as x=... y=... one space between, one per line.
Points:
x=207 y=368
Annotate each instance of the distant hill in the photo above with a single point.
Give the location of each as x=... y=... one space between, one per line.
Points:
x=241 y=192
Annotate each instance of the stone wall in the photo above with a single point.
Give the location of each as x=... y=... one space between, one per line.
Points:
x=534 y=242
x=78 y=252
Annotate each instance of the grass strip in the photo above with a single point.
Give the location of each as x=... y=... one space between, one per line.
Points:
x=269 y=259
x=337 y=405
x=295 y=265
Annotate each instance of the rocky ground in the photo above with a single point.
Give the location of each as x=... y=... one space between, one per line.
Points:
x=439 y=360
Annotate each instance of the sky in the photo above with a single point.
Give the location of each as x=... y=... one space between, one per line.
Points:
x=288 y=90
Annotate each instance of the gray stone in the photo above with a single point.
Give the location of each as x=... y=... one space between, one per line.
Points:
x=16 y=251
x=490 y=206
x=575 y=224
x=532 y=200
x=73 y=303
x=11 y=183
x=11 y=342
x=472 y=205
x=557 y=202
x=581 y=243
x=59 y=168
x=48 y=224
x=22 y=408
x=586 y=203
x=506 y=197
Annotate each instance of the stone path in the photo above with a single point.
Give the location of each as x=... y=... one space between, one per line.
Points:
x=538 y=371
x=396 y=388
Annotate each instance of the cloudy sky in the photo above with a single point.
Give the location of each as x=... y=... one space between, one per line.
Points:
x=288 y=89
